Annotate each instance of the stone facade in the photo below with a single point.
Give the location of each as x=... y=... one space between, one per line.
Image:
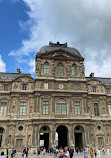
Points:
x=59 y=100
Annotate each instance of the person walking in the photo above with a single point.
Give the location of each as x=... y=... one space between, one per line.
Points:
x=71 y=151
x=91 y=152
x=98 y=153
x=11 y=153
x=108 y=151
x=85 y=153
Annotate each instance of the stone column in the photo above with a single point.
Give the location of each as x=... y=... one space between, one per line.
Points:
x=33 y=136
x=70 y=136
x=53 y=136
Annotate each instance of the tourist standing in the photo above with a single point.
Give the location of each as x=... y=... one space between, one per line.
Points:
x=71 y=151
x=85 y=153
x=77 y=150
x=67 y=152
x=62 y=154
x=11 y=153
x=2 y=155
x=91 y=152
x=108 y=151
x=103 y=151
x=98 y=153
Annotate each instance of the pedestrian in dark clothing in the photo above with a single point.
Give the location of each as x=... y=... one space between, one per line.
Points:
x=71 y=151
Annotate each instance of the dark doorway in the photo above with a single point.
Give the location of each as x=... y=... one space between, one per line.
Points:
x=78 y=140
x=62 y=136
x=45 y=137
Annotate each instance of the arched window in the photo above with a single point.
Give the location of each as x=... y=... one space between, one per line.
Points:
x=60 y=69
x=74 y=70
x=61 y=107
x=46 y=68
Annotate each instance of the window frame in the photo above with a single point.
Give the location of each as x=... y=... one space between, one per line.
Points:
x=77 y=109
x=6 y=87
x=60 y=69
x=61 y=108
x=22 y=109
x=74 y=70
x=3 y=107
x=45 y=103
x=109 y=111
x=46 y=68
x=24 y=86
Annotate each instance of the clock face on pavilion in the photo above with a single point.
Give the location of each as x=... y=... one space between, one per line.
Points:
x=61 y=86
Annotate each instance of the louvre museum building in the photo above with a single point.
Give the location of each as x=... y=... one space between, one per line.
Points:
x=59 y=107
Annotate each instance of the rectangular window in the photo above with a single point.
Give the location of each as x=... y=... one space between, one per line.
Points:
x=22 y=108
x=109 y=109
x=77 y=108
x=5 y=87
x=94 y=89
x=3 y=108
x=96 y=109
x=58 y=109
x=45 y=107
x=107 y=91
x=100 y=141
x=24 y=87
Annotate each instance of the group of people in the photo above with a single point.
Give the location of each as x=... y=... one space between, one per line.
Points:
x=95 y=153
x=25 y=152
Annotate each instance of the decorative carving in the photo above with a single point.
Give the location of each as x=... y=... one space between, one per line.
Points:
x=68 y=68
x=38 y=66
x=53 y=68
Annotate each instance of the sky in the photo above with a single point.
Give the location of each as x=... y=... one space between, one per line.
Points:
x=27 y=25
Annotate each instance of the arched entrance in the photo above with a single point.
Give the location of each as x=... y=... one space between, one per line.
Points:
x=78 y=132
x=44 y=137
x=61 y=136
x=1 y=136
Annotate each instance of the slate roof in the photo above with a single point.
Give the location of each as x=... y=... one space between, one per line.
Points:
x=103 y=80
x=11 y=76
x=54 y=47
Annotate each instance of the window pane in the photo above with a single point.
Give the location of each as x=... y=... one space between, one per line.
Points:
x=77 y=108
x=58 y=109
x=64 y=109
x=45 y=107
x=109 y=108
x=60 y=70
x=74 y=70
x=46 y=68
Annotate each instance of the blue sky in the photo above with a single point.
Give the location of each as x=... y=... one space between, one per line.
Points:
x=26 y=25
x=11 y=34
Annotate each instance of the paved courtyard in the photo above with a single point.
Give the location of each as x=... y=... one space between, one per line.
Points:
x=48 y=156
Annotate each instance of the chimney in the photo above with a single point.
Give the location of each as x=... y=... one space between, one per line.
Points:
x=18 y=71
x=92 y=74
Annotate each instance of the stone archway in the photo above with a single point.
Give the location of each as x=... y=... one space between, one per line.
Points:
x=61 y=136
x=44 y=137
x=79 y=137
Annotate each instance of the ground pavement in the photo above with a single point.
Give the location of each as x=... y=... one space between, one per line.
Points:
x=48 y=156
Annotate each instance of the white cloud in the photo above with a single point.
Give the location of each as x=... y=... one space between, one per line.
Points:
x=85 y=25
x=2 y=65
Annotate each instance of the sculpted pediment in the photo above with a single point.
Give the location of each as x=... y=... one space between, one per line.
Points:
x=24 y=79
x=94 y=82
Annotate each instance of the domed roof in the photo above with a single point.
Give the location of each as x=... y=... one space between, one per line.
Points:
x=56 y=46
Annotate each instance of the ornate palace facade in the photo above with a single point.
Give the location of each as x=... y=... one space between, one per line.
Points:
x=59 y=107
